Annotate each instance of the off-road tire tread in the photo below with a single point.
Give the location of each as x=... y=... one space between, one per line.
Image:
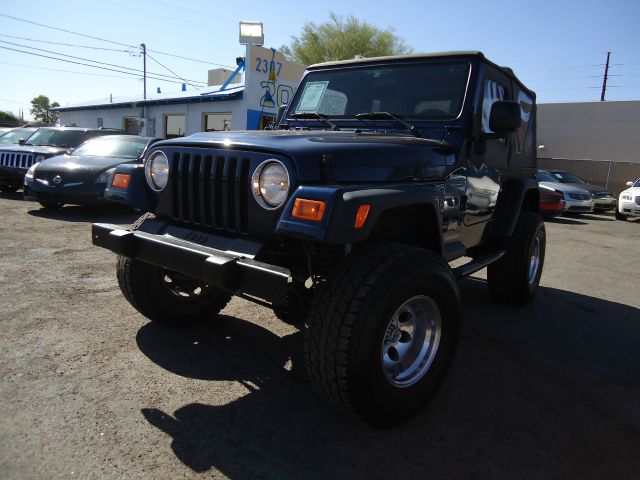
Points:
x=502 y=275
x=334 y=311
x=123 y=273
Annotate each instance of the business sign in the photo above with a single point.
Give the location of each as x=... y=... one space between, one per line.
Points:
x=270 y=81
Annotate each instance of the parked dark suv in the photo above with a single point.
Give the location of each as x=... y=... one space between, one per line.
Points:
x=45 y=142
x=345 y=218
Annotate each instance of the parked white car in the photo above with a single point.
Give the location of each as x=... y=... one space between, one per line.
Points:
x=576 y=200
x=629 y=201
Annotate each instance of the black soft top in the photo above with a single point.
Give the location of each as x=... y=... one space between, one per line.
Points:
x=418 y=56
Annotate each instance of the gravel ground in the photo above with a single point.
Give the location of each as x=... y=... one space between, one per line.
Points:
x=89 y=389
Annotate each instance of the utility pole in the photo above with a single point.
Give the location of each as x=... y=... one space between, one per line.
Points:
x=606 y=75
x=144 y=80
x=144 y=68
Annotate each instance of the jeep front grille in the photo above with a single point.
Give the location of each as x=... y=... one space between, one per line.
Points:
x=16 y=160
x=211 y=190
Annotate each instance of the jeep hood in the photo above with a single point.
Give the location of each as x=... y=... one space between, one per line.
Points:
x=356 y=157
x=34 y=149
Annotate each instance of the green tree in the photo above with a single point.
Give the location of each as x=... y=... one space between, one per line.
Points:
x=41 y=110
x=341 y=39
x=8 y=119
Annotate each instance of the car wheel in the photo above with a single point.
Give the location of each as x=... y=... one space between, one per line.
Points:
x=165 y=296
x=515 y=277
x=620 y=216
x=51 y=205
x=382 y=333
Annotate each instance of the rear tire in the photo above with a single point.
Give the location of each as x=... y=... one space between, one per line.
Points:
x=382 y=333
x=165 y=296
x=51 y=205
x=620 y=216
x=514 y=279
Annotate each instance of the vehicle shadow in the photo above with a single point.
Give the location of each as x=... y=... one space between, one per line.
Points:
x=565 y=221
x=546 y=391
x=78 y=213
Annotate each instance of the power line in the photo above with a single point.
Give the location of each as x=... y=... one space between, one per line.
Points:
x=66 y=31
x=64 y=71
x=89 y=60
x=88 y=65
x=13 y=101
x=111 y=41
x=65 y=44
x=174 y=74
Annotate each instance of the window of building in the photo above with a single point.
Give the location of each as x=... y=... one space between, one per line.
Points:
x=131 y=125
x=174 y=125
x=216 y=122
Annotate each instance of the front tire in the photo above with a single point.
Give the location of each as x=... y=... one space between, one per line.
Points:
x=620 y=216
x=514 y=279
x=382 y=333
x=165 y=296
x=51 y=205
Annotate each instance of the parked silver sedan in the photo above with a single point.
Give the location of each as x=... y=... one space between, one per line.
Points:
x=576 y=200
x=603 y=198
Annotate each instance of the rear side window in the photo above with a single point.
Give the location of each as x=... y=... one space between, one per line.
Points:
x=523 y=138
x=493 y=92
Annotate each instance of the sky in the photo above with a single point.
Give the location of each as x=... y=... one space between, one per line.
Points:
x=557 y=48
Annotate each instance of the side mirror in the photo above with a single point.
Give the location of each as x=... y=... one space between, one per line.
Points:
x=281 y=110
x=22 y=141
x=629 y=184
x=505 y=116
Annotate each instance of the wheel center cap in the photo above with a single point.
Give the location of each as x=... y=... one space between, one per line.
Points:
x=392 y=335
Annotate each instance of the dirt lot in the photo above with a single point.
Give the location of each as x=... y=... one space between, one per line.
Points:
x=89 y=389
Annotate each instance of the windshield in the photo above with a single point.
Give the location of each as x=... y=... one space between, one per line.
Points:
x=545 y=177
x=14 y=136
x=637 y=184
x=430 y=91
x=56 y=138
x=127 y=147
x=566 y=177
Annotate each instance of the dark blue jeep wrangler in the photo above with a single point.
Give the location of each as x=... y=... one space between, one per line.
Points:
x=344 y=219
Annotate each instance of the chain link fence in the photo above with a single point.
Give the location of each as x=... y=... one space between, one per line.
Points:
x=604 y=173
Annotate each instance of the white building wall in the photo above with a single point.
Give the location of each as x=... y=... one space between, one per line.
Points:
x=590 y=130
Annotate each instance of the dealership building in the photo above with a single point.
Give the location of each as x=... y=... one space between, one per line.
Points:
x=599 y=141
x=247 y=98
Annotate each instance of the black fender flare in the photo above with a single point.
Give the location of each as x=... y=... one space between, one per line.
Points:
x=510 y=202
x=343 y=204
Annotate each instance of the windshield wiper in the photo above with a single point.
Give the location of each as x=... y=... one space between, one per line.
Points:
x=389 y=116
x=315 y=116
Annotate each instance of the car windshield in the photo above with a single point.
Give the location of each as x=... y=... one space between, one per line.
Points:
x=121 y=147
x=14 y=136
x=56 y=138
x=426 y=90
x=566 y=177
x=545 y=177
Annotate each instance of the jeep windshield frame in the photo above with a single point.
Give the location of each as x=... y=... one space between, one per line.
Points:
x=341 y=93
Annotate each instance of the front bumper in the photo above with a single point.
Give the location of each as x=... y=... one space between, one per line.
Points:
x=578 y=206
x=86 y=193
x=12 y=176
x=629 y=208
x=225 y=269
x=606 y=203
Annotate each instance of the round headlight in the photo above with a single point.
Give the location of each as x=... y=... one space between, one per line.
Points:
x=39 y=158
x=156 y=169
x=270 y=184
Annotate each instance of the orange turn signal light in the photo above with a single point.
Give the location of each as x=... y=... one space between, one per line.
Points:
x=121 y=180
x=309 y=209
x=361 y=216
